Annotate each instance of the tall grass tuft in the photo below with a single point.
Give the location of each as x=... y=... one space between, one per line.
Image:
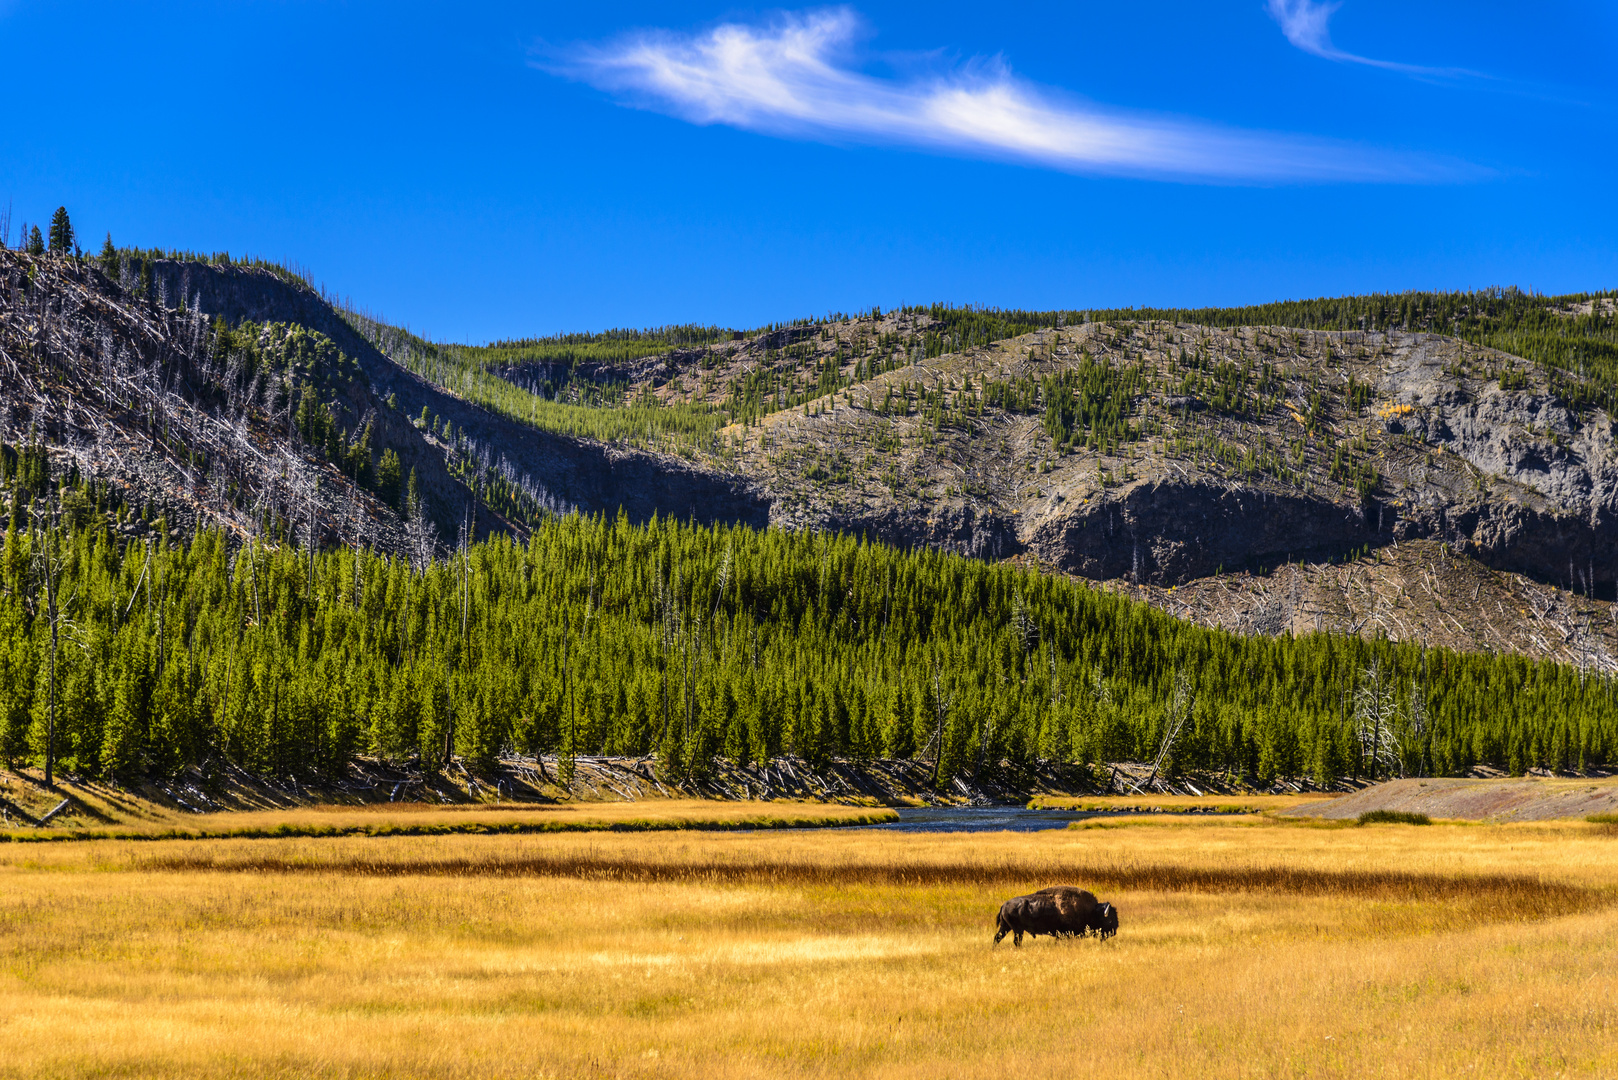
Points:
x=1392 y=817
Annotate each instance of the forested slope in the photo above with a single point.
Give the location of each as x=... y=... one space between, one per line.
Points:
x=243 y=527
x=693 y=642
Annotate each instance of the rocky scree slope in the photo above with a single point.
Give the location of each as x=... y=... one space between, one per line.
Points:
x=1418 y=590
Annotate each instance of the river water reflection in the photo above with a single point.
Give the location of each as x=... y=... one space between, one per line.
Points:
x=950 y=819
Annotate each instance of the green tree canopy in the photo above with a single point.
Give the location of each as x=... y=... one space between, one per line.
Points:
x=109 y=259
x=388 y=478
x=61 y=232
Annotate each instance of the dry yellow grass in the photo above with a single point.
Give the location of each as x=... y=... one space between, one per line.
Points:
x=1208 y=804
x=138 y=820
x=1266 y=949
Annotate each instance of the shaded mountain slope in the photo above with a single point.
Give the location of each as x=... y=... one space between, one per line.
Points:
x=137 y=400
x=553 y=473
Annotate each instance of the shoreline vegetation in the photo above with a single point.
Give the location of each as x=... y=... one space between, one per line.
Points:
x=490 y=820
x=80 y=810
x=377 y=800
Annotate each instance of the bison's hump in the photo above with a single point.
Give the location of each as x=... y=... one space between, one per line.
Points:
x=1070 y=901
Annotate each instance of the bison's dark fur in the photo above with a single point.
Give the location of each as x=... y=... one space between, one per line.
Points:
x=1060 y=911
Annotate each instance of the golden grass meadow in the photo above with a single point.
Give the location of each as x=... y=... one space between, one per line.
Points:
x=1250 y=946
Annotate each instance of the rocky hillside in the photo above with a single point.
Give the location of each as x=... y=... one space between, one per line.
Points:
x=1185 y=450
x=1191 y=461
x=1194 y=461
x=1150 y=450
x=1259 y=477
x=209 y=394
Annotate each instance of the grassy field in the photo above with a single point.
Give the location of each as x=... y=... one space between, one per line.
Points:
x=104 y=819
x=1249 y=947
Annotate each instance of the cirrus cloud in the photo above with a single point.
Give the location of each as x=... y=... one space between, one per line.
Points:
x=795 y=76
x=1307 y=25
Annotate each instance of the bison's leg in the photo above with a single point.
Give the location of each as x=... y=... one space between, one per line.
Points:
x=1001 y=934
x=1016 y=938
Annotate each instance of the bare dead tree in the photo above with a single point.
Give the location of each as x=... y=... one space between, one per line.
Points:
x=1376 y=712
x=941 y=708
x=1180 y=708
x=567 y=761
x=50 y=564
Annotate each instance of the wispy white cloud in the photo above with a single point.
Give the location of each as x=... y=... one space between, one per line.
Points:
x=1307 y=25
x=795 y=76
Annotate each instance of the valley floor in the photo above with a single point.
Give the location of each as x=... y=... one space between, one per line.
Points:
x=1249 y=946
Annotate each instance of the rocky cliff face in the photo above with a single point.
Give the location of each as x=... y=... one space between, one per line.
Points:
x=1170 y=532
x=1433 y=448
x=1525 y=436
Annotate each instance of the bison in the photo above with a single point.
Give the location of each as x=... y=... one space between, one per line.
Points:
x=1060 y=911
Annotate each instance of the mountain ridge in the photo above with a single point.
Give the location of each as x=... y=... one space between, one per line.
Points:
x=1152 y=452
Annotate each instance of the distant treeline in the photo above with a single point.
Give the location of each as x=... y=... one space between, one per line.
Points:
x=691 y=643
x=1578 y=351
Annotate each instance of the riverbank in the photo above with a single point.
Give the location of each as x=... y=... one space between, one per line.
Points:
x=79 y=803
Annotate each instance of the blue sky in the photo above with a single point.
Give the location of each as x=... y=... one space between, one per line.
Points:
x=486 y=170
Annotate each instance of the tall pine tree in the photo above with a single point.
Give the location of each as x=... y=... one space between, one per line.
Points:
x=61 y=232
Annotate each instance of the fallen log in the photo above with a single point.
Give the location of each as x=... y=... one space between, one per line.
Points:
x=54 y=811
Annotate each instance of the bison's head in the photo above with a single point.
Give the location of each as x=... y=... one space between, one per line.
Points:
x=1108 y=919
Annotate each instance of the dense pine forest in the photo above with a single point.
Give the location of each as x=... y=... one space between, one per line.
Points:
x=121 y=658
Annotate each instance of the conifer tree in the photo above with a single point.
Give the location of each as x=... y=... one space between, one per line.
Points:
x=36 y=242
x=387 y=477
x=61 y=233
x=109 y=259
